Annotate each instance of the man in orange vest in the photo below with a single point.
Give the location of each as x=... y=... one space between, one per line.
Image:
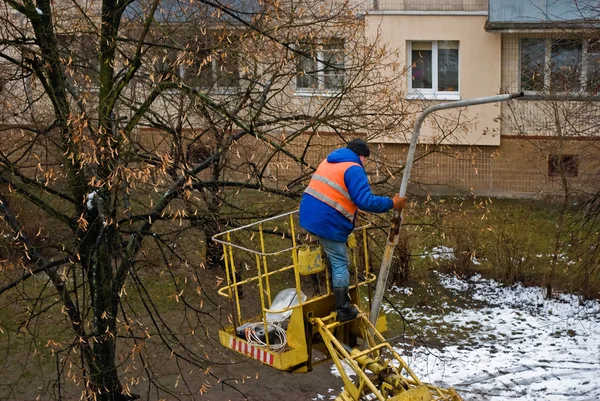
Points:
x=337 y=190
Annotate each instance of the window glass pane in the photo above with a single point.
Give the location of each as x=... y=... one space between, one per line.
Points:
x=422 y=45
x=565 y=65
x=532 y=64
x=448 y=66
x=307 y=73
x=209 y=62
x=227 y=70
x=593 y=74
x=563 y=165
x=421 y=65
x=333 y=65
x=198 y=70
x=592 y=65
x=594 y=46
x=164 y=65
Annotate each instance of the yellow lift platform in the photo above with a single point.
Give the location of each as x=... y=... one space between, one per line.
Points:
x=297 y=328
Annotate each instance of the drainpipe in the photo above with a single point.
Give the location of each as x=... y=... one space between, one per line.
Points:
x=394 y=233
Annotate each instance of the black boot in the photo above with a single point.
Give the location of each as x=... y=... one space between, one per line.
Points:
x=345 y=311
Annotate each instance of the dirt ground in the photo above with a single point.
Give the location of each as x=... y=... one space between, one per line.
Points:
x=264 y=383
x=269 y=384
x=239 y=379
x=232 y=376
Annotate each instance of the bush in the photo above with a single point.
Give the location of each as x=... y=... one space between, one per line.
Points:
x=588 y=273
x=400 y=266
x=465 y=243
x=511 y=255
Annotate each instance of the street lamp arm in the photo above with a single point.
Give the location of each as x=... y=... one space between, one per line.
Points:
x=394 y=233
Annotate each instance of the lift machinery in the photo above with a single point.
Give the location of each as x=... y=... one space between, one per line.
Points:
x=303 y=331
x=297 y=329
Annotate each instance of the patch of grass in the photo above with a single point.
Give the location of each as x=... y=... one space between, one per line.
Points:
x=30 y=336
x=509 y=240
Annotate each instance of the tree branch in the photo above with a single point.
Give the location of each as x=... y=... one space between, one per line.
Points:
x=71 y=223
x=31 y=272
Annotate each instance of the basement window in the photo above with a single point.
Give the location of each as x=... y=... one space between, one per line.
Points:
x=559 y=165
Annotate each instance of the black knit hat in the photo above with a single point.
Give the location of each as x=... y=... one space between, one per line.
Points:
x=359 y=147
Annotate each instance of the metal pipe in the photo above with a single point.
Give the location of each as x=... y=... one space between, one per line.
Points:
x=394 y=233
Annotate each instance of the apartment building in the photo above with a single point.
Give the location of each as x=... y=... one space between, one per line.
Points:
x=448 y=50
x=464 y=49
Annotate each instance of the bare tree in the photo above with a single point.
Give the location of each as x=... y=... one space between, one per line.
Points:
x=129 y=127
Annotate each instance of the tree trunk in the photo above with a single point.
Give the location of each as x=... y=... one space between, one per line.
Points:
x=98 y=247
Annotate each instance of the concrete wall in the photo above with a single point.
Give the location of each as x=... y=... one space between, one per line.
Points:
x=517 y=168
x=484 y=154
x=512 y=141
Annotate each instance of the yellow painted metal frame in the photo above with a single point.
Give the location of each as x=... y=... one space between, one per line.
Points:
x=390 y=379
x=381 y=372
x=296 y=357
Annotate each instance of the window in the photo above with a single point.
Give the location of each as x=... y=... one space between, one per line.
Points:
x=532 y=64
x=560 y=65
x=324 y=70
x=206 y=66
x=219 y=69
x=563 y=165
x=591 y=66
x=165 y=64
x=434 y=69
x=80 y=56
x=5 y=74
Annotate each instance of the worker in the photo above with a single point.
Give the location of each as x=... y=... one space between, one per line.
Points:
x=338 y=189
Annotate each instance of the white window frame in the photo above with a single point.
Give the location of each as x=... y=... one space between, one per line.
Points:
x=547 y=67
x=320 y=67
x=430 y=94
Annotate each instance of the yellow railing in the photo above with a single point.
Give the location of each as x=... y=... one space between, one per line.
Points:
x=262 y=256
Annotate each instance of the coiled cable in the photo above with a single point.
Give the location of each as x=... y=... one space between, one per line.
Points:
x=253 y=338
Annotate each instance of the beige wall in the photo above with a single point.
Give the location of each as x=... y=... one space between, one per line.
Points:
x=517 y=168
x=480 y=63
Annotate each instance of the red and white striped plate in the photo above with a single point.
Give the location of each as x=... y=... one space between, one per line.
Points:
x=252 y=351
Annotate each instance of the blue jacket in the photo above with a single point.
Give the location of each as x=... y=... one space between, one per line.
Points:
x=321 y=219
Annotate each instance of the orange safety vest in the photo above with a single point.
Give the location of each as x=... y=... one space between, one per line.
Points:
x=327 y=185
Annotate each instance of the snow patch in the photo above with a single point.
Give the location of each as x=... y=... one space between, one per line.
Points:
x=89 y=203
x=440 y=253
x=523 y=346
x=520 y=346
x=453 y=282
x=347 y=369
x=402 y=290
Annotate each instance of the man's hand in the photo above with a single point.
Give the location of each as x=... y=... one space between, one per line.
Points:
x=399 y=202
